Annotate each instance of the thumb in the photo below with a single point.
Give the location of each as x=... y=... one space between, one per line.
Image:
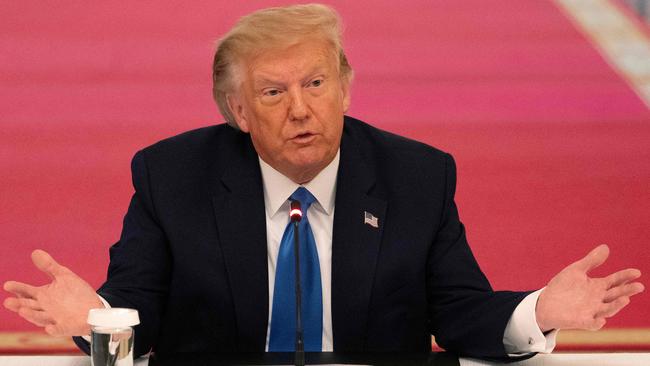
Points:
x=595 y=258
x=44 y=262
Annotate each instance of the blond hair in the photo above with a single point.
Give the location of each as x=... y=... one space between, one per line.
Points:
x=268 y=28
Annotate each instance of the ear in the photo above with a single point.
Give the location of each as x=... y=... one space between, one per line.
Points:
x=345 y=90
x=236 y=107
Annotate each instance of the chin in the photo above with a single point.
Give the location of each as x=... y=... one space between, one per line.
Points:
x=306 y=168
x=309 y=159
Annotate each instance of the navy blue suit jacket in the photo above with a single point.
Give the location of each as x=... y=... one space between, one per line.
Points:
x=192 y=255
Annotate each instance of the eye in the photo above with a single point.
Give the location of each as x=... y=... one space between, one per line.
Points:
x=316 y=83
x=271 y=92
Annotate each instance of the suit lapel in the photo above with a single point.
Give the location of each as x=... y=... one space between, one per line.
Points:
x=238 y=202
x=355 y=246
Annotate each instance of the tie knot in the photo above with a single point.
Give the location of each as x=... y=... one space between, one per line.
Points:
x=304 y=197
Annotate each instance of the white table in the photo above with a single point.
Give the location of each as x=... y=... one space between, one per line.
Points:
x=576 y=359
x=558 y=359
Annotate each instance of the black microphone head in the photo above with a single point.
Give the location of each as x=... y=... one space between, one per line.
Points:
x=296 y=213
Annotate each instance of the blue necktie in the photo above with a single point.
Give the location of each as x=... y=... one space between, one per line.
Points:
x=283 y=316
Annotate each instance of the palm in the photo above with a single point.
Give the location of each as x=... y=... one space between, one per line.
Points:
x=60 y=306
x=573 y=300
x=65 y=298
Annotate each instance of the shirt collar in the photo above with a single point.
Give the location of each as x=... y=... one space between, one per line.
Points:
x=278 y=188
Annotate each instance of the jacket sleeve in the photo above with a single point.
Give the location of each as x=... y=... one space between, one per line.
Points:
x=140 y=263
x=465 y=315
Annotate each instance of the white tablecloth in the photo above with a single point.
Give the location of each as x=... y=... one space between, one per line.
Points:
x=576 y=359
x=559 y=359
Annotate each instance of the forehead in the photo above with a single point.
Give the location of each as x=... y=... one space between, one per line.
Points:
x=292 y=61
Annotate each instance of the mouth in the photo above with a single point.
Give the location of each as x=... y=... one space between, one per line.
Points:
x=303 y=138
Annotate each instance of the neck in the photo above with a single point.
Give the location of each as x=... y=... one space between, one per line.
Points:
x=303 y=177
x=300 y=175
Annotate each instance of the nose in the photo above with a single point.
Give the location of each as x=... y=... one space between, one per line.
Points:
x=298 y=109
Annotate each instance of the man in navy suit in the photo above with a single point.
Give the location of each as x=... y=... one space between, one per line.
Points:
x=199 y=249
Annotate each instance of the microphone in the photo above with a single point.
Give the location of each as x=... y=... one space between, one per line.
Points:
x=296 y=215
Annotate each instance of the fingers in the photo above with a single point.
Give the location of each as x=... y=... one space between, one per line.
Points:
x=43 y=261
x=594 y=259
x=58 y=330
x=610 y=309
x=10 y=304
x=15 y=304
x=622 y=277
x=629 y=289
x=597 y=323
x=20 y=289
x=52 y=329
x=61 y=329
x=37 y=317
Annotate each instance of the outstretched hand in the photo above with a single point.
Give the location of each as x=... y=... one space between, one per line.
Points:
x=573 y=300
x=61 y=306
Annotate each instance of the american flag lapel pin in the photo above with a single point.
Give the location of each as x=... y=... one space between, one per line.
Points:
x=370 y=219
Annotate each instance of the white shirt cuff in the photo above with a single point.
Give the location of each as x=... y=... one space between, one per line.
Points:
x=107 y=306
x=522 y=334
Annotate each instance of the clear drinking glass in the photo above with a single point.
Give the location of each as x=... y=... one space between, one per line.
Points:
x=111 y=336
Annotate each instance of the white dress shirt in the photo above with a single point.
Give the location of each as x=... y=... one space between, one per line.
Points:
x=522 y=334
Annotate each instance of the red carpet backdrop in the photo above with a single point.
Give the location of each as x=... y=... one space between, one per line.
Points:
x=552 y=143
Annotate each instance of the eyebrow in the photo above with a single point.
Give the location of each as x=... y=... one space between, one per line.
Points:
x=263 y=81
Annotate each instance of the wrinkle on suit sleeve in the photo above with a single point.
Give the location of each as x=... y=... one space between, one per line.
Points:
x=140 y=263
x=465 y=315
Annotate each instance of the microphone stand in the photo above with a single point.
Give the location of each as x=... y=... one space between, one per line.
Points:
x=299 y=359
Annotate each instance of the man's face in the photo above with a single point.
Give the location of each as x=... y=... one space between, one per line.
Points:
x=291 y=101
